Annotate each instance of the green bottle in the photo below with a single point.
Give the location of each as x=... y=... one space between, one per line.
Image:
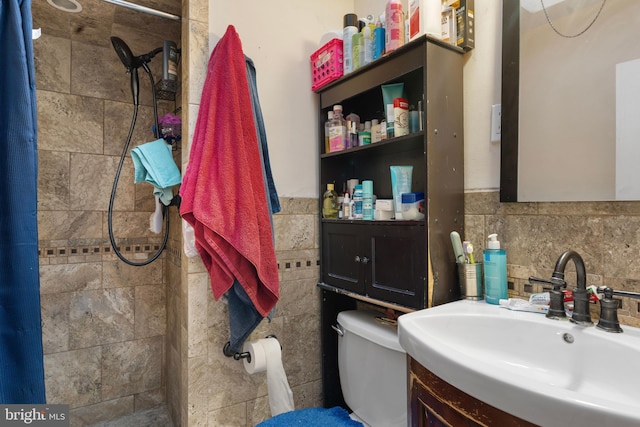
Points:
x=330 y=203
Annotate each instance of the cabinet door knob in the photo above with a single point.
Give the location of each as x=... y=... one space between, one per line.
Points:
x=364 y=260
x=357 y=259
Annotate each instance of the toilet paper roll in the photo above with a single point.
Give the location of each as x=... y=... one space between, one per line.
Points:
x=266 y=355
x=258 y=361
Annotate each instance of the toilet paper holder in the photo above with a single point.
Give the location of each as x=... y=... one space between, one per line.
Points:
x=244 y=354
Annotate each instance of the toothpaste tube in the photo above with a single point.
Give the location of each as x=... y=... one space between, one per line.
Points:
x=523 y=305
x=542 y=298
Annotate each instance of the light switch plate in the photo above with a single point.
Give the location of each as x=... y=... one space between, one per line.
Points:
x=496 y=122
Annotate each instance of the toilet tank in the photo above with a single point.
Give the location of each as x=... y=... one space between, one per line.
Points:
x=373 y=369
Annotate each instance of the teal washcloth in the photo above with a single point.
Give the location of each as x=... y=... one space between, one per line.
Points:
x=154 y=164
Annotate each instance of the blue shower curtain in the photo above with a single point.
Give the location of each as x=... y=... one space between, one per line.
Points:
x=21 y=359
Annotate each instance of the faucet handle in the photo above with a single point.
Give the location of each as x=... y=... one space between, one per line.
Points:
x=609 y=312
x=556 y=303
x=555 y=282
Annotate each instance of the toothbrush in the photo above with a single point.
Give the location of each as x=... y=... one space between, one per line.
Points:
x=457 y=247
x=468 y=250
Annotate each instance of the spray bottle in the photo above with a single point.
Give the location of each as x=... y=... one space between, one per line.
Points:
x=349 y=29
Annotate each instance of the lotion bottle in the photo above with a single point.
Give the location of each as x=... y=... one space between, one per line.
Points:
x=495 y=271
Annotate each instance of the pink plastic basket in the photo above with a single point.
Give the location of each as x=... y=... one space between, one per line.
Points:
x=327 y=64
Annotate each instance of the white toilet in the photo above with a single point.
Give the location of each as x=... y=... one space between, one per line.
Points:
x=373 y=369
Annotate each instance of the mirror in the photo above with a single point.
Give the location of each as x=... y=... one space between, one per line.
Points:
x=570 y=100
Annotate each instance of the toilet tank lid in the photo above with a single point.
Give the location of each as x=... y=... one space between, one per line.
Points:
x=367 y=325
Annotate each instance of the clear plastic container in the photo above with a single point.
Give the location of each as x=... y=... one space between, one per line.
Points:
x=413 y=206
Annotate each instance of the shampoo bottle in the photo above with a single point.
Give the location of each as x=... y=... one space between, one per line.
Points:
x=495 y=271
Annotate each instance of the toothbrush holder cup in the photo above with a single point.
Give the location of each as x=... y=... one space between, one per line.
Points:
x=471 y=283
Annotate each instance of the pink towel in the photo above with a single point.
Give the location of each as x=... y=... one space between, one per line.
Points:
x=223 y=190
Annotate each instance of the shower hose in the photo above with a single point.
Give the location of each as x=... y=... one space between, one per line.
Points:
x=156 y=132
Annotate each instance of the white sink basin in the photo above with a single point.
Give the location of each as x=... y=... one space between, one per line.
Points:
x=524 y=364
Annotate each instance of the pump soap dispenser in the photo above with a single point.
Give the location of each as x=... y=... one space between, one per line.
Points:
x=495 y=271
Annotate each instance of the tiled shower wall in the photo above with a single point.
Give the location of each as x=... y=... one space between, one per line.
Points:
x=219 y=392
x=104 y=322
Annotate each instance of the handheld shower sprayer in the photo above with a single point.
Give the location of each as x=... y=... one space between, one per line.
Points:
x=132 y=63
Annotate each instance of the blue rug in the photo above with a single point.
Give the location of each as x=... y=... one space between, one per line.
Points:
x=312 y=417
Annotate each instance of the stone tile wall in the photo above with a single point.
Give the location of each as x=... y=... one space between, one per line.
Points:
x=205 y=388
x=104 y=322
x=220 y=392
x=535 y=234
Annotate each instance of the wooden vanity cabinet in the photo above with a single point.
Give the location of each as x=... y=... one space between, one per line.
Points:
x=435 y=403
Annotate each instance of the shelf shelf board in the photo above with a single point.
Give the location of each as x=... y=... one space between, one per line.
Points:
x=401 y=143
x=365 y=298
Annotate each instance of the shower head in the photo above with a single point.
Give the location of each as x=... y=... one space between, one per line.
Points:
x=131 y=63
x=125 y=54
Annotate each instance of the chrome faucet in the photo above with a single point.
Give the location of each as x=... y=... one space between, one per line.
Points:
x=581 y=314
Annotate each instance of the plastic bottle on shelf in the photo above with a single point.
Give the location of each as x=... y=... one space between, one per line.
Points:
x=364 y=137
x=395 y=25
x=346 y=206
x=350 y=27
x=375 y=131
x=330 y=203
x=378 y=40
x=356 y=49
x=327 y=126
x=357 y=199
x=367 y=200
x=367 y=37
x=495 y=271
x=353 y=121
x=337 y=131
x=353 y=135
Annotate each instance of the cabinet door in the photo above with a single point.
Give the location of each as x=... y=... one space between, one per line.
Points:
x=436 y=403
x=341 y=257
x=398 y=264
